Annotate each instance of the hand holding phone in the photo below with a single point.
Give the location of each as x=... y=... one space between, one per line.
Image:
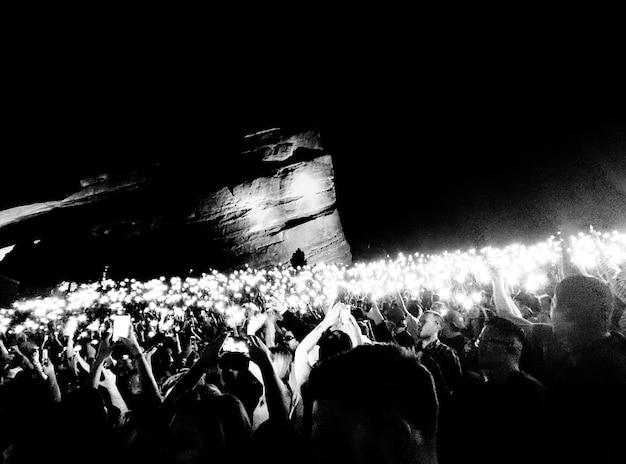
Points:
x=121 y=326
x=235 y=345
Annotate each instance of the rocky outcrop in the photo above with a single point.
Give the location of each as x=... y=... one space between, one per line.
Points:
x=276 y=197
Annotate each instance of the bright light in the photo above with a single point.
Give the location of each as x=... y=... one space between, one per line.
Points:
x=304 y=185
x=458 y=277
x=5 y=251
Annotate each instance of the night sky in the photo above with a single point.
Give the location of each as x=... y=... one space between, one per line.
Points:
x=441 y=157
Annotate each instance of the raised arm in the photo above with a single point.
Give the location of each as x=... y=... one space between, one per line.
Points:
x=503 y=302
x=298 y=327
x=614 y=275
x=381 y=331
x=350 y=325
x=149 y=385
x=104 y=351
x=302 y=367
x=208 y=357
x=277 y=395
x=109 y=383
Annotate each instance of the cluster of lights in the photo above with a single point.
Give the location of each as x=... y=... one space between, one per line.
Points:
x=165 y=304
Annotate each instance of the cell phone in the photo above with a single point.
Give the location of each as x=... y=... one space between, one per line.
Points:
x=44 y=355
x=121 y=326
x=234 y=344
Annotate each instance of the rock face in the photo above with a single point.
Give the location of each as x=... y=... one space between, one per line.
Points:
x=278 y=196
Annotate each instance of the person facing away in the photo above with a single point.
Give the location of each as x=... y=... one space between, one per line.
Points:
x=500 y=402
x=583 y=364
x=373 y=404
x=588 y=395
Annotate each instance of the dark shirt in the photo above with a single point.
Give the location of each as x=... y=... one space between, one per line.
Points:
x=588 y=404
x=403 y=338
x=297 y=326
x=447 y=360
x=457 y=343
x=499 y=418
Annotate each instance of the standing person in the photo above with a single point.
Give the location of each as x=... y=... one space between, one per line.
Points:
x=588 y=394
x=445 y=367
x=451 y=333
x=585 y=366
x=429 y=327
x=374 y=404
x=501 y=401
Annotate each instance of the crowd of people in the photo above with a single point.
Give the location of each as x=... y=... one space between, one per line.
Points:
x=515 y=377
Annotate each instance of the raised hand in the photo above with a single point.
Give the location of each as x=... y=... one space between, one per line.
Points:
x=275 y=304
x=210 y=353
x=104 y=347
x=259 y=353
x=108 y=379
x=131 y=342
x=333 y=315
x=255 y=322
x=48 y=367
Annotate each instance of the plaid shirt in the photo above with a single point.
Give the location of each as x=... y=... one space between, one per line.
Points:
x=447 y=360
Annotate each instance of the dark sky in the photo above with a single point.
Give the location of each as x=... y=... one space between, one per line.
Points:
x=428 y=155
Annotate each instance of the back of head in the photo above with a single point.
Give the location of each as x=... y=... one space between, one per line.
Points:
x=584 y=303
x=395 y=314
x=333 y=342
x=209 y=425
x=439 y=307
x=501 y=344
x=453 y=319
x=374 y=403
x=506 y=330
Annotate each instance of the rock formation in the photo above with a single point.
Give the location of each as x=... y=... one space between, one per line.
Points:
x=257 y=209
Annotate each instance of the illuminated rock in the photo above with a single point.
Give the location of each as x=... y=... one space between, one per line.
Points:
x=276 y=197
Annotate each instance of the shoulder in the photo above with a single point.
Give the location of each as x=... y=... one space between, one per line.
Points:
x=529 y=381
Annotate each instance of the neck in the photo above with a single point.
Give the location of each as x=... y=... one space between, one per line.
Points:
x=428 y=341
x=449 y=333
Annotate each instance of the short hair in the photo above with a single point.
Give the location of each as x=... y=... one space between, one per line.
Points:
x=506 y=327
x=437 y=315
x=454 y=318
x=222 y=420
x=586 y=301
x=375 y=378
x=281 y=351
x=333 y=342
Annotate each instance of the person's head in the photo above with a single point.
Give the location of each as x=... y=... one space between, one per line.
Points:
x=333 y=342
x=395 y=314
x=372 y=404
x=243 y=384
x=282 y=358
x=452 y=323
x=207 y=427
x=429 y=325
x=581 y=310
x=439 y=306
x=500 y=344
x=476 y=317
x=290 y=340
